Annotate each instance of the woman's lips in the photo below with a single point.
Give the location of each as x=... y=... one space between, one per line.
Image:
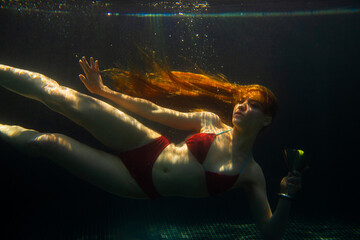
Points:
x=238 y=114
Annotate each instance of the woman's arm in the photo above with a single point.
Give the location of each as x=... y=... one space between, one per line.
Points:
x=144 y=108
x=272 y=226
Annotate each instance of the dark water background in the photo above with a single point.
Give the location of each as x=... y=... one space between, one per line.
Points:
x=310 y=62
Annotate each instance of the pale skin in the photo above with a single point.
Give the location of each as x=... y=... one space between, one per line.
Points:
x=176 y=172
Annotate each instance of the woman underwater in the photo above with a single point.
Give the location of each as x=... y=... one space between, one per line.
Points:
x=215 y=159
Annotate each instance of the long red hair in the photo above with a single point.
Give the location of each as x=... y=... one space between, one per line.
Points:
x=187 y=91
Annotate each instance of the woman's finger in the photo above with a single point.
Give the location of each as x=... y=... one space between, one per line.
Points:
x=97 y=66
x=294 y=179
x=294 y=173
x=82 y=78
x=92 y=64
x=82 y=65
x=85 y=62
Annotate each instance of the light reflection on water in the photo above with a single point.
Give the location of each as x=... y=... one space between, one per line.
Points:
x=190 y=8
x=241 y=14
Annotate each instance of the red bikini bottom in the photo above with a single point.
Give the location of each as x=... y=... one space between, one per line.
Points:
x=140 y=162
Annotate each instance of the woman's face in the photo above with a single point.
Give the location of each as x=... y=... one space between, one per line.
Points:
x=248 y=114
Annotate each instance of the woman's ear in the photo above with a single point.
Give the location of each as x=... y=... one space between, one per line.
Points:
x=267 y=121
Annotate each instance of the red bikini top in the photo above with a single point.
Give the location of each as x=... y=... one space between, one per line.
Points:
x=199 y=145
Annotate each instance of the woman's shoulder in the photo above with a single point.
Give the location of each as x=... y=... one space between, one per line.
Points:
x=210 y=119
x=253 y=175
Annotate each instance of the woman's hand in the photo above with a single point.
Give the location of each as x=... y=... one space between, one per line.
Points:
x=291 y=183
x=92 y=81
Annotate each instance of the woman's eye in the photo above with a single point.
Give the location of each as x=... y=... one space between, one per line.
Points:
x=255 y=104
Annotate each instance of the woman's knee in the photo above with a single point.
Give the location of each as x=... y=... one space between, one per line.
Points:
x=49 y=142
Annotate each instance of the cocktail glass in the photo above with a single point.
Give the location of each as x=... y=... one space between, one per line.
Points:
x=295 y=160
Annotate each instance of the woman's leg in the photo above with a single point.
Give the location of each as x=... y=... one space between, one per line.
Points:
x=111 y=126
x=99 y=168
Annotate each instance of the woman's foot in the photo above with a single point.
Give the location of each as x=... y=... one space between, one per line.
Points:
x=26 y=83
